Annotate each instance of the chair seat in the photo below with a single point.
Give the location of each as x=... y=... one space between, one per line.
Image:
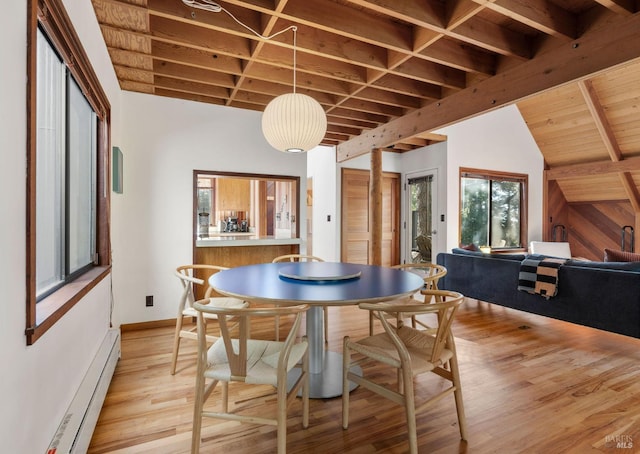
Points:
x=222 y=301
x=381 y=348
x=262 y=360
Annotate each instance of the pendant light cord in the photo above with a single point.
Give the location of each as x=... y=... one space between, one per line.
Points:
x=211 y=6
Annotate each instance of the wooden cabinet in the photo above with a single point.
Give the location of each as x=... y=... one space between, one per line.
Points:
x=233 y=194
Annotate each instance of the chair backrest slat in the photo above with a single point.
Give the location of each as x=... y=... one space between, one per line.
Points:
x=188 y=275
x=431 y=273
x=297 y=258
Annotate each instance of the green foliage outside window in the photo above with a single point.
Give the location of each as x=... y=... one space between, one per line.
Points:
x=491 y=211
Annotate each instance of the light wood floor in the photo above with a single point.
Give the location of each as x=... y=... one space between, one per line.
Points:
x=530 y=384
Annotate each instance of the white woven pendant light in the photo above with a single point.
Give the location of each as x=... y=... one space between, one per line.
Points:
x=294 y=123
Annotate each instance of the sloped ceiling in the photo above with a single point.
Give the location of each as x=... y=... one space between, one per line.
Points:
x=589 y=135
x=387 y=72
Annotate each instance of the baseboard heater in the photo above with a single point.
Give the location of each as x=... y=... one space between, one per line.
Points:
x=75 y=430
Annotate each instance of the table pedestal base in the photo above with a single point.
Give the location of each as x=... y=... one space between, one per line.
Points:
x=328 y=382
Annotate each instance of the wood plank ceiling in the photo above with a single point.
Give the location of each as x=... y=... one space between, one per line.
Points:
x=589 y=135
x=387 y=72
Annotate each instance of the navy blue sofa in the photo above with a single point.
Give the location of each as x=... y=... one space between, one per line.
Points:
x=603 y=295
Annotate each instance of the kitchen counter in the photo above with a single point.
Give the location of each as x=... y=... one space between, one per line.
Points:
x=240 y=248
x=243 y=239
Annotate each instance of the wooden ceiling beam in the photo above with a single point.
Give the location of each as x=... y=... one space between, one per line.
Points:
x=409 y=87
x=351 y=22
x=590 y=169
x=597 y=51
x=619 y=6
x=456 y=54
x=418 y=12
x=351 y=122
x=492 y=37
x=431 y=16
x=193 y=74
x=391 y=98
x=540 y=15
x=600 y=119
x=431 y=73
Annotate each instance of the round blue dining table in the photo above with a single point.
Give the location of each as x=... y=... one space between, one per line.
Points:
x=317 y=284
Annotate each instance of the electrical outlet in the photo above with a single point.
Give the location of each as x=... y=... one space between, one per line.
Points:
x=149 y=301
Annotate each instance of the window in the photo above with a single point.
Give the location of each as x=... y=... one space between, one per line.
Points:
x=65 y=174
x=493 y=209
x=66 y=154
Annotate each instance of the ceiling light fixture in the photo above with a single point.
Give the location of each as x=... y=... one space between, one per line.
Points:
x=293 y=122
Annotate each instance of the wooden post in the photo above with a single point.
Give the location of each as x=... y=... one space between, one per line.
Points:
x=375 y=207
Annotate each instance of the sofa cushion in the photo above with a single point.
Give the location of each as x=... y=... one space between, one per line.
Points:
x=611 y=255
x=516 y=257
x=622 y=266
x=462 y=251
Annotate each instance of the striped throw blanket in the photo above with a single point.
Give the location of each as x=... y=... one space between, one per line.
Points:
x=539 y=275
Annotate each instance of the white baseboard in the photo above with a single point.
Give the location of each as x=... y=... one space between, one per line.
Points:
x=75 y=430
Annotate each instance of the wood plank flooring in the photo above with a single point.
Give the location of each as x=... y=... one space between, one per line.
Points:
x=530 y=384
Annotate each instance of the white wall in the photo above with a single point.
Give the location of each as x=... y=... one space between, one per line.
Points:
x=164 y=140
x=321 y=165
x=38 y=381
x=499 y=140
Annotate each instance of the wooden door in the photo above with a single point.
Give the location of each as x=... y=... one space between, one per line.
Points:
x=355 y=234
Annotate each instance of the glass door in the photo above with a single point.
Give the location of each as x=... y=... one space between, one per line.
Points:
x=420 y=231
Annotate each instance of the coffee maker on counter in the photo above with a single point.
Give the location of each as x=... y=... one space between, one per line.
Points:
x=232 y=224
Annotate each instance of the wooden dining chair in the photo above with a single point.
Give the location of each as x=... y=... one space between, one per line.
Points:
x=187 y=276
x=303 y=258
x=431 y=273
x=252 y=362
x=412 y=352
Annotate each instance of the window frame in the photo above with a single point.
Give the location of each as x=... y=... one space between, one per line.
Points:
x=490 y=175
x=52 y=18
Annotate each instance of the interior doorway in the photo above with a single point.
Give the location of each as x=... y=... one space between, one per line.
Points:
x=355 y=234
x=420 y=231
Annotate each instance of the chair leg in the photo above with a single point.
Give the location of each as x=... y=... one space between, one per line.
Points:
x=197 y=415
x=410 y=409
x=370 y=323
x=176 y=344
x=462 y=419
x=282 y=420
x=225 y=397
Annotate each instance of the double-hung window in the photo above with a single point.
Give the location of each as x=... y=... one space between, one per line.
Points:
x=67 y=170
x=493 y=208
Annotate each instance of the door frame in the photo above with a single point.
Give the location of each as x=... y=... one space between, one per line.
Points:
x=406 y=211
